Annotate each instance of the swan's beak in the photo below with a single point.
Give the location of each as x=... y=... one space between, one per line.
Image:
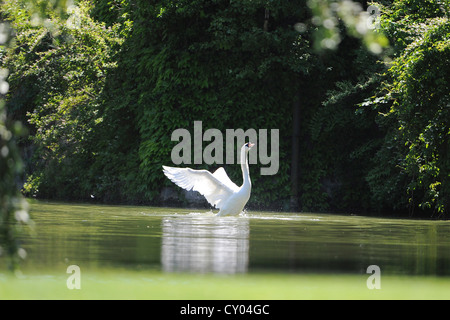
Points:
x=250 y=145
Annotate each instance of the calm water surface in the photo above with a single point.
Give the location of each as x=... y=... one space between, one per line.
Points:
x=183 y=240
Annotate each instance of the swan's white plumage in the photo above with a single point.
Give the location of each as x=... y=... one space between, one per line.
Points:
x=216 y=187
x=222 y=176
x=209 y=185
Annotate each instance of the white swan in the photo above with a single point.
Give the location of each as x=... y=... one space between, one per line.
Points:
x=216 y=187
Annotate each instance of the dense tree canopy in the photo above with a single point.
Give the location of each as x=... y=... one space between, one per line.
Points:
x=413 y=103
x=102 y=86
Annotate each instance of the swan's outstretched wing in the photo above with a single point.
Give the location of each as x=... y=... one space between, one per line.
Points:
x=222 y=176
x=215 y=191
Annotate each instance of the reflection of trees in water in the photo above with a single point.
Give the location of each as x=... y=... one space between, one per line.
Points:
x=205 y=244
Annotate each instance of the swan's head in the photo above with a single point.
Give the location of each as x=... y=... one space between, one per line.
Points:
x=248 y=146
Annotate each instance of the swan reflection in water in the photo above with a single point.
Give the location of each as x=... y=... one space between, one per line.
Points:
x=205 y=244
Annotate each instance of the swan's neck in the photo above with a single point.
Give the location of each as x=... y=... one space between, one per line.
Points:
x=245 y=171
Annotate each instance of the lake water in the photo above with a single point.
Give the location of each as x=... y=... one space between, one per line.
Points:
x=172 y=240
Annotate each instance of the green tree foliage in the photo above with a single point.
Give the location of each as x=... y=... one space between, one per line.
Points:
x=214 y=61
x=13 y=208
x=58 y=71
x=103 y=85
x=414 y=106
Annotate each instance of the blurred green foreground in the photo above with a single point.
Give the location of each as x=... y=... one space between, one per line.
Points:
x=155 y=285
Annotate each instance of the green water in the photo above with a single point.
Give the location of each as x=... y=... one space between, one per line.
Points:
x=135 y=246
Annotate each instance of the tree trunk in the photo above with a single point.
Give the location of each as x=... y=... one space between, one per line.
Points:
x=294 y=202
